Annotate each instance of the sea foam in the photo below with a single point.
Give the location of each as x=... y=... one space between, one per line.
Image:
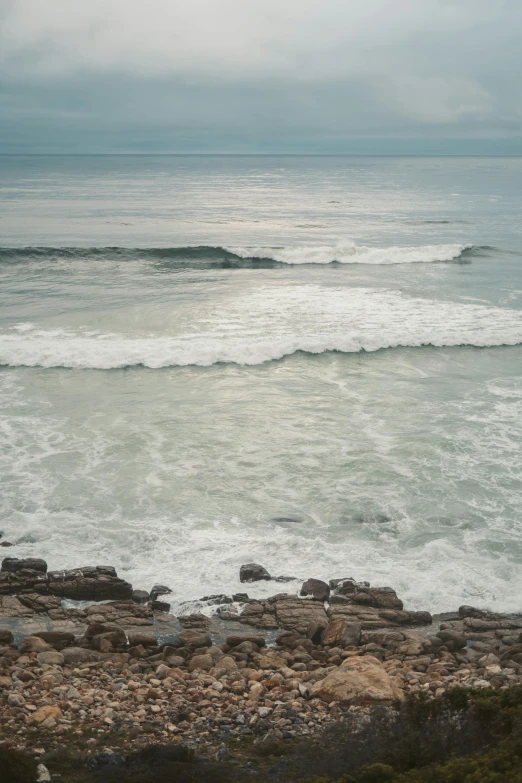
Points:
x=273 y=322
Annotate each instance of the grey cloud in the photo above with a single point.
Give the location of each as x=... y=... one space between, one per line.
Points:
x=256 y=74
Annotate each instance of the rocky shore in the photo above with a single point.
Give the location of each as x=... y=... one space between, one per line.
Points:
x=112 y=676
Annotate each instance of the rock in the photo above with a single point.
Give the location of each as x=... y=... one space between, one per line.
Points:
x=11 y=607
x=140 y=596
x=73 y=655
x=359 y=680
x=51 y=658
x=107 y=758
x=90 y=583
x=39 y=603
x=158 y=590
x=15 y=564
x=171 y=656
x=34 y=644
x=316 y=588
x=42 y=774
x=204 y=662
x=141 y=638
x=57 y=639
x=6 y=543
x=343 y=633
x=199 y=621
x=252 y=572
x=6 y=637
x=193 y=639
x=46 y=712
x=378 y=597
x=305 y=617
x=237 y=639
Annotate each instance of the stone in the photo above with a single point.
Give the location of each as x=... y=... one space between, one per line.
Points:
x=140 y=638
x=107 y=758
x=316 y=588
x=11 y=607
x=38 y=602
x=199 y=621
x=73 y=655
x=303 y=616
x=204 y=662
x=193 y=639
x=14 y=564
x=158 y=590
x=48 y=711
x=42 y=774
x=57 y=639
x=341 y=632
x=236 y=639
x=140 y=596
x=359 y=680
x=51 y=658
x=34 y=644
x=89 y=583
x=6 y=637
x=253 y=572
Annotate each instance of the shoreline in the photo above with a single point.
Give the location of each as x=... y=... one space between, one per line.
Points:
x=117 y=669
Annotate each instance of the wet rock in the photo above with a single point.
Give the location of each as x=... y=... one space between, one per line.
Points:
x=316 y=588
x=39 y=603
x=359 y=680
x=15 y=564
x=237 y=639
x=6 y=543
x=90 y=583
x=199 y=621
x=158 y=590
x=141 y=638
x=140 y=596
x=10 y=607
x=194 y=639
x=253 y=572
x=6 y=637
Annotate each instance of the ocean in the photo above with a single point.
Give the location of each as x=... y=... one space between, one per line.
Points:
x=314 y=363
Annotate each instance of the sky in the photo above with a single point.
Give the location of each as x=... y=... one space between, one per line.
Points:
x=261 y=76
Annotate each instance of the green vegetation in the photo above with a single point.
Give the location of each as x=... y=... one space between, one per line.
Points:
x=462 y=737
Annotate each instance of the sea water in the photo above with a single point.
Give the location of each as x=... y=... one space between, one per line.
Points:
x=314 y=363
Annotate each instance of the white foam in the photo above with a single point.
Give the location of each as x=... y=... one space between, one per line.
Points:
x=350 y=253
x=274 y=322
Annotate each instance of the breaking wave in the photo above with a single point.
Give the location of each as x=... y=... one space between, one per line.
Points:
x=342 y=253
x=271 y=323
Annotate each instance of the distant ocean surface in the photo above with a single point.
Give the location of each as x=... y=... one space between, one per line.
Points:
x=314 y=363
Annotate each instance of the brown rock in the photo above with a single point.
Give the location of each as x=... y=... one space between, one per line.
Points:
x=359 y=680
x=204 y=662
x=253 y=572
x=304 y=616
x=34 y=644
x=141 y=638
x=193 y=639
x=51 y=658
x=49 y=711
x=316 y=588
x=6 y=637
x=343 y=633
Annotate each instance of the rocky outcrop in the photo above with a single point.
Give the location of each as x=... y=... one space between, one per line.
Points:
x=253 y=572
x=316 y=588
x=90 y=583
x=347 y=608
x=359 y=680
x=306 y=616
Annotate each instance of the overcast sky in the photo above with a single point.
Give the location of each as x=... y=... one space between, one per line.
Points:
x=441 y=76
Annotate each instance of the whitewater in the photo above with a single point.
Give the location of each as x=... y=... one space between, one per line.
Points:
x=312 y=363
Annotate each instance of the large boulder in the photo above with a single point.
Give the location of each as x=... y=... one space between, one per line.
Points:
x=343 y=633
x=252 y=572
x=193 y=639
x=15 y=564
x=359 y=680
x=90 y=583
x=316 y=588
x=305 y=617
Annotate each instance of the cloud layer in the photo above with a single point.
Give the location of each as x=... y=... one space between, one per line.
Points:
x=255 y=74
